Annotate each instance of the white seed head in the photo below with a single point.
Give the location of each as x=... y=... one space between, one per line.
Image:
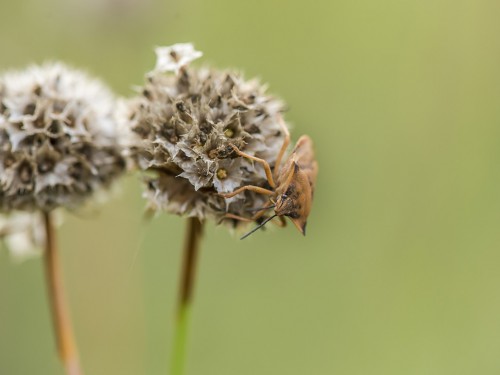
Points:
x=59 y=141
x=183 y=130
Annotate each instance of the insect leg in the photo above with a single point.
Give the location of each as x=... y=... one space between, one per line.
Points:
x=256 y=189
x=241 y=218
x=281 y=223
x=264 y=163
x=266 y=207
x=286 y=142
x=236 y=217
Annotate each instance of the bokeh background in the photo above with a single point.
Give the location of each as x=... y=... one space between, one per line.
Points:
x=400 y=270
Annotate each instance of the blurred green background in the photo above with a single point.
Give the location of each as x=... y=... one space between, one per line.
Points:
x=399 y=272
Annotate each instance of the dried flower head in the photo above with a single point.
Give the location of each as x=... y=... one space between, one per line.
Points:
x=183 y=127
x=58 y=138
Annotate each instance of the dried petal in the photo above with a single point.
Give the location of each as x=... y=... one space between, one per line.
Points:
x=173 y=58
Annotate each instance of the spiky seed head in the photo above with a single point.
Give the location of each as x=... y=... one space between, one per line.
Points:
x=58 y=138
x=183 y=128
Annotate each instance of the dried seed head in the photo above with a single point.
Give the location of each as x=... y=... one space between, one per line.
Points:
x=183 y=128
x=59 y=141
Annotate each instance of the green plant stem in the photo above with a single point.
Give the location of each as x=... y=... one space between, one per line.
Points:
x=66 y=344
x=194 y=233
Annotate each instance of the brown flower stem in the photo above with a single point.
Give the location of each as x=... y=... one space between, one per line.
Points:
x=194 y=233
x=66 y=344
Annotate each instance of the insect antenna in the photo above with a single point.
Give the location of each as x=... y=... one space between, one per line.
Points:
x=261 y=208
x=258 y=227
